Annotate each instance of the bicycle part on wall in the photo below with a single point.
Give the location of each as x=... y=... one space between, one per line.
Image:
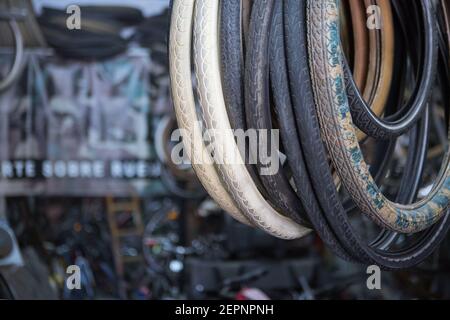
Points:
x=286 y=70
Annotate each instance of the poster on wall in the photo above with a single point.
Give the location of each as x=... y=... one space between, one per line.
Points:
x=77 y=128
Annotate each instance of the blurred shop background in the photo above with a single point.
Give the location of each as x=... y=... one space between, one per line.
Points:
x=86 y=178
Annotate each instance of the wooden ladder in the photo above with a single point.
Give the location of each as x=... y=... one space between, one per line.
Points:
x=116 y=206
